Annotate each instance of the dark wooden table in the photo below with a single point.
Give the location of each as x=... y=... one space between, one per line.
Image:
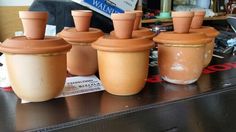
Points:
x=208 y=105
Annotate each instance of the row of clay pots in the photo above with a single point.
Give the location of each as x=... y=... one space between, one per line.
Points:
x=39 y=63
x=182 y=54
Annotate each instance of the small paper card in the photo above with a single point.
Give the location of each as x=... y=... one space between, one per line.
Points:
x=79 y=85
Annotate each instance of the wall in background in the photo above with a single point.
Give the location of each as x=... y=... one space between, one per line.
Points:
x=9 y=17
x=15 y=2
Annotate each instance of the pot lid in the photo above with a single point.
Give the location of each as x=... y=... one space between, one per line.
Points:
x=142 y=32
x=22 y=45
x=191 y=38
x=111 y=43
x=209 y=31
x=70 y=34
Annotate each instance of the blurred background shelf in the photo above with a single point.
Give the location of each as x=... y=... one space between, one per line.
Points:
x=222 y=17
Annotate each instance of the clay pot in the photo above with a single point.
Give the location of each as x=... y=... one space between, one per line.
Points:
x=198 y=19
x=82 y=58
x=82 y=19
x=36 y=68
x=34 y=23
x=138 y=18
x=211 y=33
x=180 y=56
x=142 y=32
x=123 y=24
x=127 y=60
x=182 y=21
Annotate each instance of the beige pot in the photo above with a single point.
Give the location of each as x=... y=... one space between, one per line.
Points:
x=123 y=24
x=198 y=19
x=182 y=21
x=181 y=56
x=34 y=23
x=82 y=58
x=211 y=33
x=82 y=19
x=123 y=64
x=36 y=68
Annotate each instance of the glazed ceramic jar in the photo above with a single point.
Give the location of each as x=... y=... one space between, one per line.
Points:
x=211 y=33
x=182 y=21
x=181 y=56
x=123 y=63
x=36 y=68
x=82 y=58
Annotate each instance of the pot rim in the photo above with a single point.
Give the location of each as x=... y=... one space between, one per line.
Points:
x=123 y=16
x=182 y=14
x=33 y=14
x=22 y=45
x=113 y=44
x=72 y=35
x=209 y=31
x=77 y=13
x=182 y=39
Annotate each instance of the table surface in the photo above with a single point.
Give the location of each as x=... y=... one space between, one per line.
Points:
x=207 y=105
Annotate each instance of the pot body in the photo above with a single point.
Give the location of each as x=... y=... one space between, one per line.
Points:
x=180 y=64
x=82 y=59
x=208 y=52
x=38 y=77
x=123 y=73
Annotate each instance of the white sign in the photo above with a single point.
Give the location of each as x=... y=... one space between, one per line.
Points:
x=79 y=85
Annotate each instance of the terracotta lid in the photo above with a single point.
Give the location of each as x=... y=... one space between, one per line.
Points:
x=22 y=45
x=70 y=34
x=209 y=31
x=110 y=43
x=191 y=38
x=142 y=32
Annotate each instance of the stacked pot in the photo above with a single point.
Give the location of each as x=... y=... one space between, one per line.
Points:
x=139 y=31
x=82 y=58
x=36 y=63
x=122 y=58
x=181 y=53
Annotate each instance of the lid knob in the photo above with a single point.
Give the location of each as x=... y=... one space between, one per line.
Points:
x=34 y=23
x=123 y=24
x=82 y=19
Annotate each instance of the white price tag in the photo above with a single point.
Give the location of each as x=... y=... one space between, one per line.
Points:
x=79 y=85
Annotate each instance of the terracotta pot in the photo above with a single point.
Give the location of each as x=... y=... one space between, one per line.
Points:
x=211 y=33
x=198 y=19
x=182 y=21
x=123 y=24
x=142 y=32
x=34 y=23
x=138 y=18
x=127 y=60
x=36 y=68
x=82 y=19
x=181 y=56
x=82 y=58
